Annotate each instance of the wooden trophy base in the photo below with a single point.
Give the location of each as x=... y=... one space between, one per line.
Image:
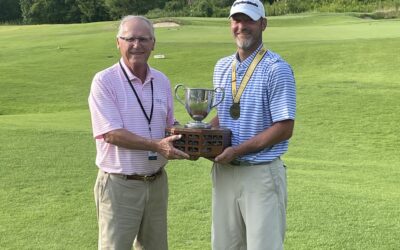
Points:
x=201 y=142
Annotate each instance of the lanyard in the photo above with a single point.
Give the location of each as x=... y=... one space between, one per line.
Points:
x=236 y=95
x=148 y=118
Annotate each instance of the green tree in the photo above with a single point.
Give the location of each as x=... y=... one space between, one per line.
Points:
x=119 y=8
x=50 y=11
x=222 y=3
x=9 y=10
x=25 y=6
x=93 y=10
x=204 y=8
x=174 y=5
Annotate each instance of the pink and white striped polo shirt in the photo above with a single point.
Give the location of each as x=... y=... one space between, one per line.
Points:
x=113 y=105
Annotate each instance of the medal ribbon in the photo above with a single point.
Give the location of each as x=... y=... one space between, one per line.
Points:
x=236 y=95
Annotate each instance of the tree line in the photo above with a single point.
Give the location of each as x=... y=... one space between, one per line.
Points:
x=75 y=11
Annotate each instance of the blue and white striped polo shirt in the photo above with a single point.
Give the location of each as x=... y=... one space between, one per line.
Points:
x=269 y=97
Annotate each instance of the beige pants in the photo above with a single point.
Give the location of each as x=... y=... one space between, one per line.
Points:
x=129 y=209
x=249 y=206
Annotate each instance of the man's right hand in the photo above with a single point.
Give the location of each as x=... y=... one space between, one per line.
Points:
x=228 y=155
x=167 y=149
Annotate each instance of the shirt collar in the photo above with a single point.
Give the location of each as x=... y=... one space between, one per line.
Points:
x=135 y=79
x=246 y=63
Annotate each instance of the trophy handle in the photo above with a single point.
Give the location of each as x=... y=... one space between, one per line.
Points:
x=222 y=98
x=176 y=93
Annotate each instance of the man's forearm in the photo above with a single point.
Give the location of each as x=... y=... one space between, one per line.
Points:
x=277 y=133
x=124 y=138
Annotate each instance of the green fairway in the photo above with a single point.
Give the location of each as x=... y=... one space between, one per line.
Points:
x=343 y=160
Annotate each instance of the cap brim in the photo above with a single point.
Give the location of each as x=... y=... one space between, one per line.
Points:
x=254 y=16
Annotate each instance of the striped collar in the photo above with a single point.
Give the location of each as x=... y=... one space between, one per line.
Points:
x=246 y=63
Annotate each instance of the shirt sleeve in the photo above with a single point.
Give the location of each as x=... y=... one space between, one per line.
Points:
x=282 y=93
x=103 y=107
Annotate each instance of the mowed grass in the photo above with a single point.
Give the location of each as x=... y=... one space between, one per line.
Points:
x=343 y=160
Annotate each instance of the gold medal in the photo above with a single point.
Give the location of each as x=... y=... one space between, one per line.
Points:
x=237 y=93
x=235 y=111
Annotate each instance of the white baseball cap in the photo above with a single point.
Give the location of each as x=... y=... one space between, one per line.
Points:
x=253 y=8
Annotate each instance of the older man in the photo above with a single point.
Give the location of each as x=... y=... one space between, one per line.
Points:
x=249 y=178
x=131 y=105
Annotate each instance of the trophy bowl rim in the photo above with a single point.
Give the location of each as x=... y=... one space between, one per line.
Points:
x=201 y=89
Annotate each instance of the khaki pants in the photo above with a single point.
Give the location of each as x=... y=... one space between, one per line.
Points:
x=249 y=206
x=131 y=208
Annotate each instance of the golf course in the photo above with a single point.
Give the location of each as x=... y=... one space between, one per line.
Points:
x=343 y=162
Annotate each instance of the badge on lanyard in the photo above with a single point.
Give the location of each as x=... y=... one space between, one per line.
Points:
x=152 y=155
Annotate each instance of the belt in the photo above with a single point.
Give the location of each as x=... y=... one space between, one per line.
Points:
x=137 y=177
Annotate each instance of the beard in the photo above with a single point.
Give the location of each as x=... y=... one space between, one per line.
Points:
x=244 y=44
x=247 y=42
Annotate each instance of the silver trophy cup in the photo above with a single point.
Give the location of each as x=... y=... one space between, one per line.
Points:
x=198 y=103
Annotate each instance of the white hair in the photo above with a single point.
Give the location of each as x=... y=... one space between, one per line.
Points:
x=132 y=17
